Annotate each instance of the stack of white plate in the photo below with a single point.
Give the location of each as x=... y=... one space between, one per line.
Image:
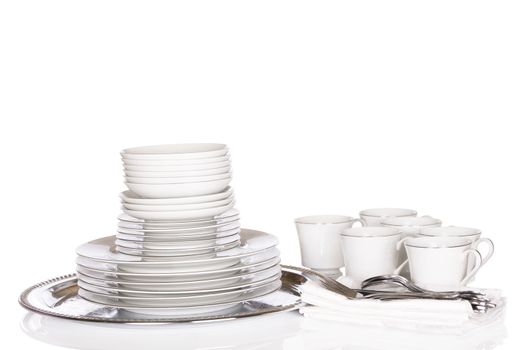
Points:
x=179 y=246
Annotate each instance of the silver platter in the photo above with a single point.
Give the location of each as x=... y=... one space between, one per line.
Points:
x=59 y=297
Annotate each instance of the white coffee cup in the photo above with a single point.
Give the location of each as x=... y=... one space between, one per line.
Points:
x=373 y=217
x=320 y=241
x=409 y=226
x=473 y=234
x=369 y=251
x=441 y=263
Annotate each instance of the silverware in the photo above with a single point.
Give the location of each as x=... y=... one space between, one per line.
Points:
x=301 y=275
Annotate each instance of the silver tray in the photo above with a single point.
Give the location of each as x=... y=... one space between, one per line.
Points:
x=58 y=297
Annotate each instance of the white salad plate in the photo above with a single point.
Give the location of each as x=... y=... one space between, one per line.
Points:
x=175 y=253
x=132 y=198
x=178 y=207
x=182 y=301
x=182 y=173
x=204 y=213
x=176 y=180
x=182 y=244
x=198 y=285
x=180 y=234
x=228 y=216
x=174 y=238
x=179 y=189
x=98 y=271
x=176 y=151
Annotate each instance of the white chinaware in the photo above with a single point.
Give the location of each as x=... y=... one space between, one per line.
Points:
x=179 y=189
x=473 y=234
x=373 y=217
x=441 y=263
x=133 y=198
x=167 y=174
x=177 y=207
x=173 y=166
x=409 y=226
x=180 y=214
x=369 y=251
x=176 y=180
x=176 y=151
x=319 y=239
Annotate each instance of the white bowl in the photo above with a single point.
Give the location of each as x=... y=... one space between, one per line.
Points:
x=178 y=207
x=132 y=198
x=183 y=173
x=199 y=163
x=176 y=151
x=181 y=214
x=176 y=180
x=179 y=190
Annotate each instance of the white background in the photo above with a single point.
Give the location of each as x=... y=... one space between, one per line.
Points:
x=327 y=106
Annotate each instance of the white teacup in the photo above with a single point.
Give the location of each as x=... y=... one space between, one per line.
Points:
x=409 y=226
x=473 y=234
x=441 y=263
x=373 y=217
x=370 y=251
x=320 y=241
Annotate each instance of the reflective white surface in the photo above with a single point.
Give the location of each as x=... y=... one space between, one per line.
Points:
x=278 y=331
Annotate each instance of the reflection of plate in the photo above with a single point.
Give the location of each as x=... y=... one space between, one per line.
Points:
x=59 y=297
x=193 y=277
x=234 y=281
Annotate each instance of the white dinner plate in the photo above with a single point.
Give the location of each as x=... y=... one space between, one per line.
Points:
x=177 y=207
x=181 y=214
x=168 y=174
x=185 y=301
x=99 y=270
x=179 y=190
x=254 y=245
x=181 y=151
x=167 y=286
x=176 y=180
x=84 y=282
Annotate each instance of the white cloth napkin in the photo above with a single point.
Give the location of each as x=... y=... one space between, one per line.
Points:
x=415 y=314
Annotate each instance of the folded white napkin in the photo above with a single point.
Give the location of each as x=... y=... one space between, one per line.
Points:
x=414 y=314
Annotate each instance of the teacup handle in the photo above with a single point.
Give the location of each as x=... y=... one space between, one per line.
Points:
x=477 y=266
x=400 y=267
x=490 y=244
x=361 y=221
x=398 y=247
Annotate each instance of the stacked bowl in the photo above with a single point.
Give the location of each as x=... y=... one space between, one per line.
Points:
x=179 y=246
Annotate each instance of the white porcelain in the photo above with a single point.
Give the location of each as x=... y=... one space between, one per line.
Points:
x=176 y=151
x=320 y=242
x=409 y=226
x=373 y=217
x=369 y=251
x=180 y=214
x=177 y=207
x=441 y=263
x=177 y=245
x=176 y=180
x=179 y=190
x=168 y=174
x=133 y=198
x=176 y=166
x=473 y=234
x=187 y=231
